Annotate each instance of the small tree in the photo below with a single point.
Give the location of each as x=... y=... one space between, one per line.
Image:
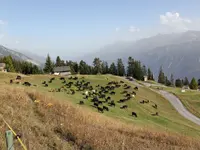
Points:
x=58 y=61
x=113 y=69
x=186 y=82
x=172 y=80
x=193 y=84
x=97 y=65
x=120 y=68
x=48 y=68
x=161 y=76
x=178 y=83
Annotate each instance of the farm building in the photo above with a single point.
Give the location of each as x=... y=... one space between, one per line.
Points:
x=62 y=70
x=145 y=78
x=2 y=67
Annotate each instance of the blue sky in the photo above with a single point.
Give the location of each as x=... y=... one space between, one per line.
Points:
x=75 y=27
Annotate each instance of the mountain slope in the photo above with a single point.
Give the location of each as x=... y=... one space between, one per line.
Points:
x=16 y=55
x=178 y=53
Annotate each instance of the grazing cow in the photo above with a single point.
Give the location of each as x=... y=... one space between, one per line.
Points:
x=124 y=107
x=100 y=102
x=121 y=81
x=11 y=81
x=127 y=87
x=133 y=92
x=147 y=101
x=106 y=108
x=86 y=97
x=108 y=98
x=112 y=104
x=46 y=85
x=96 y=104
x=124 y=92
x=156 y=114
x=134 y=114
x=44 y=82
x=50 y=81
x=18 y=78
x=136 y=88
x=62 y=78
x=72 y=91
x=155 y=106
x=81 y=102
x=98 y=85
x=121 y=101
x=100 y=109
x=142 y=102
x=27 y=84
x=112 y=93
x=128 y=95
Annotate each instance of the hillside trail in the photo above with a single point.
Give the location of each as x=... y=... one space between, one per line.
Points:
x=176 y=103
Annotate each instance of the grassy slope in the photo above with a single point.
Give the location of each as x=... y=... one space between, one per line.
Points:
x=169 y=119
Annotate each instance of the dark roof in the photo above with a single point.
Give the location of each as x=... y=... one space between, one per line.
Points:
x=62 y=69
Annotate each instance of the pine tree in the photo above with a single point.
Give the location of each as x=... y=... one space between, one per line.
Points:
x=193 y=84
x=120 y=68
x=83 y=68
x=178 y=83
x=48 y=65
x=97 y=65
x=130 y=67
x=58 y=61
x=113 y=69
x=104 y=67
x=9 y=64
x=137 y=71
x=167 y=82
x=186 y=82
x=161 y=77
x=172 y=80
x=199 y=82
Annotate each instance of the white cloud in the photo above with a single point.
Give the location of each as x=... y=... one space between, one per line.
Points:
x=134 y=29
x=174 y=20
x=117 y=29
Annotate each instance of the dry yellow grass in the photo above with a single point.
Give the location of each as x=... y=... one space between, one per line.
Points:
x=49 y=124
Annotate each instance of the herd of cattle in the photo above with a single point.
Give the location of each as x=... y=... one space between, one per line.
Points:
x=99 y=96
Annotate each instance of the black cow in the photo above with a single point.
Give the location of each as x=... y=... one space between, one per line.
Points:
x=96 y=104
x=27 y=84
x=18 y=78
x=44 y=82
x=142 y=102
x=106 y=108
x=134 y=114
x=112 y=104
x=121 y=101
x=112 y=93
x=11 y=81
x=121 y=81
x=100 y=109
x=100 y=102
x=46 y=85
x=156 y=114
x=155 y=106
x=124 y=107
x=62 y=78
x=136 y=88
x=50 y=81
x=81 y=102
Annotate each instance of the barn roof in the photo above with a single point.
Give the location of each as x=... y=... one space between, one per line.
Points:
x=62 y=69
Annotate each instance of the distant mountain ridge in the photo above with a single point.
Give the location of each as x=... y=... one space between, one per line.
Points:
x=178 y=53
x=16 y=55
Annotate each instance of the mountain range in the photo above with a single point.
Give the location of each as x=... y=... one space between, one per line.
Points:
x=177 y=53
x=18 y=55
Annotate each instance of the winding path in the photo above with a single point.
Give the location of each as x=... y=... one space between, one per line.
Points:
x=176 y=103
x=179 y=107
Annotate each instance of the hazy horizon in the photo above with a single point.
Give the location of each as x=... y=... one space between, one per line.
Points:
x=72 y=29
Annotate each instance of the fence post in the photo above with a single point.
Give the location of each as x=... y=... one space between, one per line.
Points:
x=9 y=140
